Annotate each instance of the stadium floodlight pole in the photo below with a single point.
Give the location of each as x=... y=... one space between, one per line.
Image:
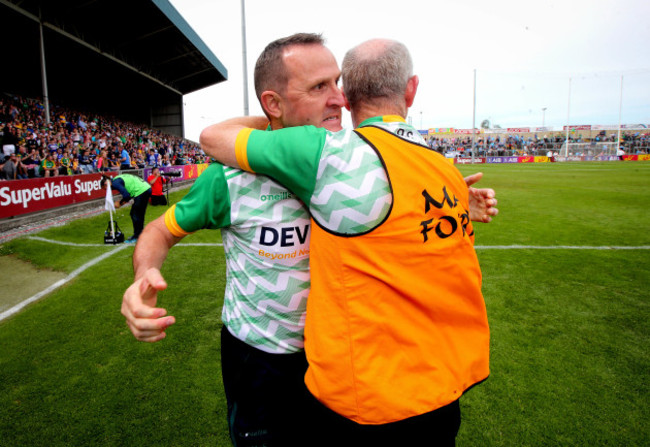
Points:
x=568 y=117
x=46 y=99
x=245 y=67
x=474 y=120
x=620 y=110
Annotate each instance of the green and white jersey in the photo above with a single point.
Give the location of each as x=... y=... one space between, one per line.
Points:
x=339 y=175
x=265 y=231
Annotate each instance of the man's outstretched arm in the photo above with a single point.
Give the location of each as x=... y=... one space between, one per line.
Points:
x=218 y=140
x=146 y=321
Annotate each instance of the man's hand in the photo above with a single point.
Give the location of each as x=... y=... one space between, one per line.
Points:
x=146 y=321
x=482 y=202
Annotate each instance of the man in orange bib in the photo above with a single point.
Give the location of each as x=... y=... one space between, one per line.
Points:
x=396 y=327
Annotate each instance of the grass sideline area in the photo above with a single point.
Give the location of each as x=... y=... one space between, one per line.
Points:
x=569 y=326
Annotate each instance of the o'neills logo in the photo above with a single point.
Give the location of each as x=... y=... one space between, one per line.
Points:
x=274 y=197
x=447 y=225
x=48 y=191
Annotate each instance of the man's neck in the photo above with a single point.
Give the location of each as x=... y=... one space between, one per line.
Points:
x=362 y=112
x=275 y=124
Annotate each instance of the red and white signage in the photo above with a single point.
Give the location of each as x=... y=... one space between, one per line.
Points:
x=26 y=196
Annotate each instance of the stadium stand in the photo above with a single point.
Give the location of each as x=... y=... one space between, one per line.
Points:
x=76 y=140
x=505 y=144
x=130 y=60
x=83 y=80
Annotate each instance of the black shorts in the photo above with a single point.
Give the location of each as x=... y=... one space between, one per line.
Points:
x=266 y=395
x=436 y=428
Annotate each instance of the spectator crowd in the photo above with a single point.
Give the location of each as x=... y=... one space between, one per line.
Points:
x=513 y=144
x=80 y=143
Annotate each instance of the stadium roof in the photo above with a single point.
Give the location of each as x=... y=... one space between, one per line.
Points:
x=148 y=37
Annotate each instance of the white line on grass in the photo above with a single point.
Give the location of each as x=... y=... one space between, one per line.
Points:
x=477 y=247
x=74 y=244
x=89 y=264
x=59 y=283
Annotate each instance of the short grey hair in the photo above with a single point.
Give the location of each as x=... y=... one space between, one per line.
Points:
x=377 y=69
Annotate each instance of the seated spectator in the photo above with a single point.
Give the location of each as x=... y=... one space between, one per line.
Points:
x=85 y=163
x=48 y=167
x=137 y=162
x=65 y=164
x=153 y=159
x=9 y=141
x=22 y=168
x=31 y=162
x=102 y=162
x=113 y=163
x=75 y=169
x=10 y=168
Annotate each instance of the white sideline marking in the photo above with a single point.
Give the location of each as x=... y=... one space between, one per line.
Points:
x=59 y=283
x=74 y=244
x=477 y=247
x=120 y=247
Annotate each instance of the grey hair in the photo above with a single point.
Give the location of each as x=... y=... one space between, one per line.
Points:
x=377 y=69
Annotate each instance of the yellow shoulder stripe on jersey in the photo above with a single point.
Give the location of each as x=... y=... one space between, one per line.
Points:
x=392 y=118
x=241 y=149
x=172 y=225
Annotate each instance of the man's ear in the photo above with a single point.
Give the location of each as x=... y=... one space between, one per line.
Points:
x=411 y=90
x=271 y=103
x=346 y=103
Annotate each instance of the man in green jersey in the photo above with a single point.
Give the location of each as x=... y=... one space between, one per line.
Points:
x=266 y=240
x=132 y=188
x=396 y=327
x=265 y=231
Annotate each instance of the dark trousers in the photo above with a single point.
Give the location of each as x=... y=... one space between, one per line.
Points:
x=138 y=210
x=158 y=200
x=437 y=428
x=266 y=395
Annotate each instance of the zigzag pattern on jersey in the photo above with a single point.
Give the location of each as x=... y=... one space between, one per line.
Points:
x=265 y=300
x=248 y=200
x=250 y=333
x=267 y=323
x=270 y=306
x=358 y=195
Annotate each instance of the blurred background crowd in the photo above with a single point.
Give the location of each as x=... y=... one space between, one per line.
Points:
x=75 y=142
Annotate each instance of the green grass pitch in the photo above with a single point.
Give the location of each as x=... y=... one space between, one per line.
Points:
x=569 y=326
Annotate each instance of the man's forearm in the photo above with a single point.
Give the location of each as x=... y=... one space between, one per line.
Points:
x=152 y=247
x=219 y=140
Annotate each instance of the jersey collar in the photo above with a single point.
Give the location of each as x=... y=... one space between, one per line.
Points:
x=383 y=119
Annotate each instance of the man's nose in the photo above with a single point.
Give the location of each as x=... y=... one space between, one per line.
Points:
x=336 y=97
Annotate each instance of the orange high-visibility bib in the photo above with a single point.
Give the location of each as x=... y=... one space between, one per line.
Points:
x=396 y=323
